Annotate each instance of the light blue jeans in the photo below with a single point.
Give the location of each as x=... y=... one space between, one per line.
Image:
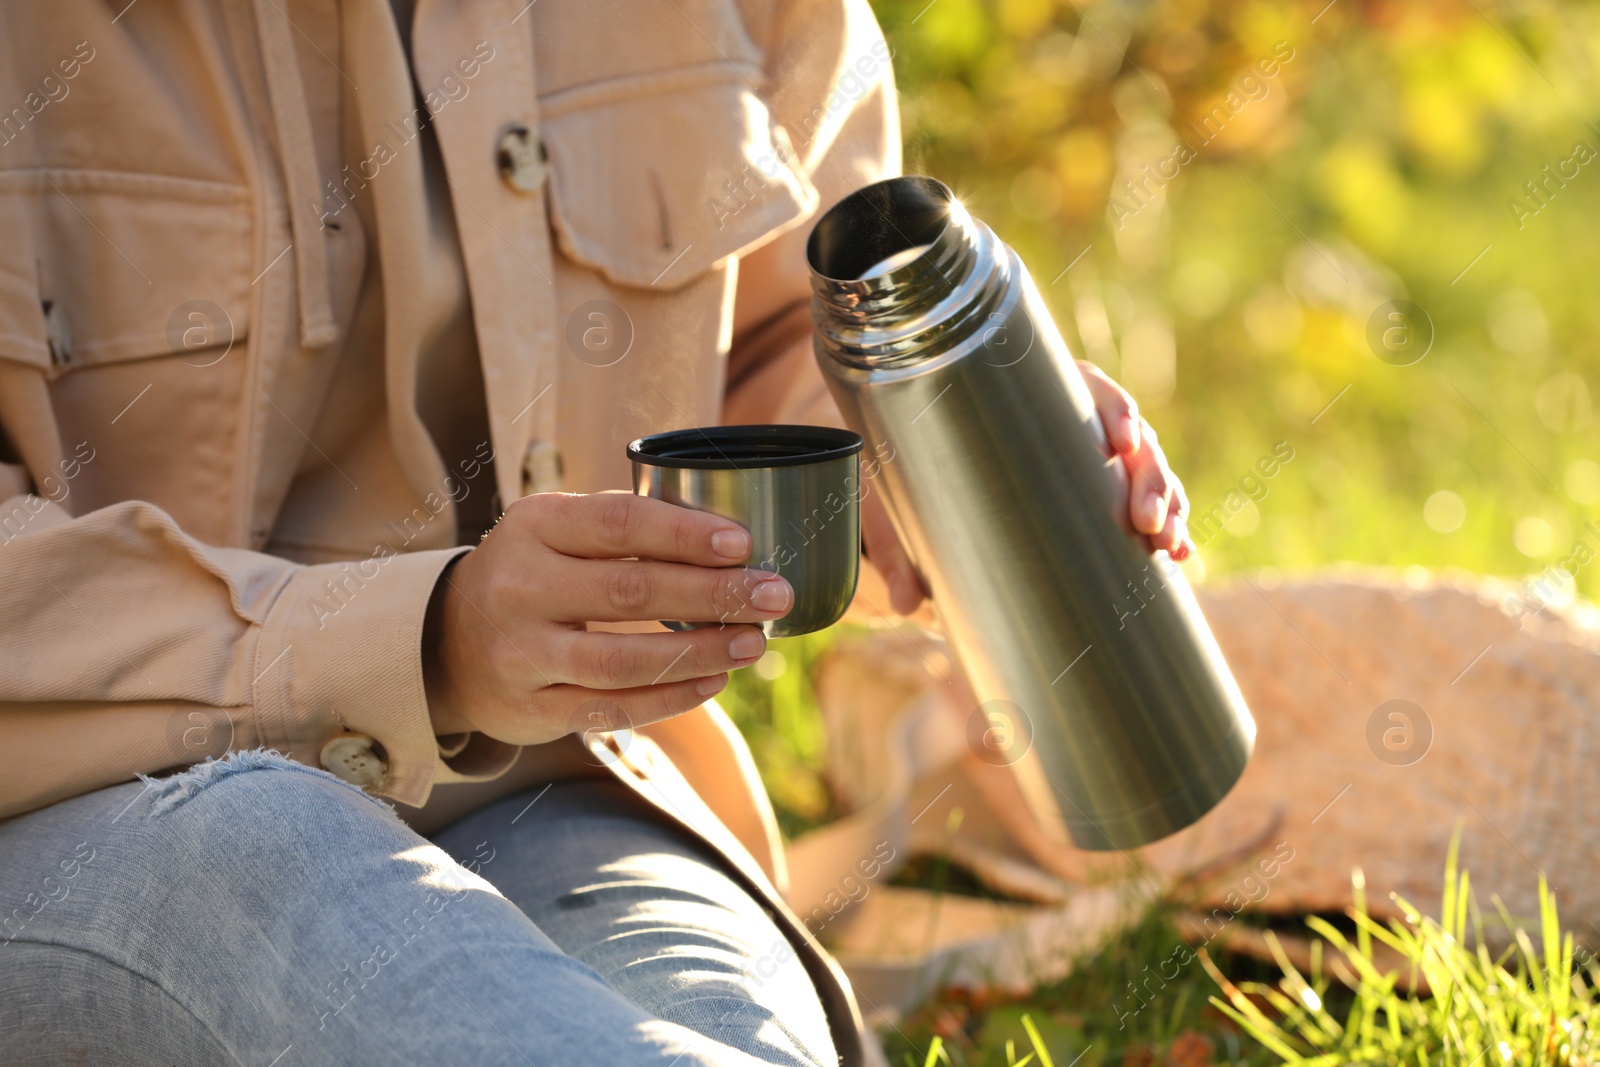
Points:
x=255 y=911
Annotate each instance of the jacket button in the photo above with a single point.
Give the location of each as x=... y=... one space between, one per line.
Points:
x=57 y=333
x=541 y=468
x=521 y=156
x=356 y=758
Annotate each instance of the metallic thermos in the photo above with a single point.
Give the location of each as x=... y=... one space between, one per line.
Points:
x=1122 y=719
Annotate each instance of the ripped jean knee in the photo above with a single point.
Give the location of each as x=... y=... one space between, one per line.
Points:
x=170 y=793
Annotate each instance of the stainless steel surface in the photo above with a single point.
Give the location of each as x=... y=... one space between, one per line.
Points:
x=803 y=515
x=1128 y=723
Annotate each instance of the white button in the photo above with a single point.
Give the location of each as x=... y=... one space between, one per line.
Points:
x=520 y=154
x=351 y=757
x=541 y=468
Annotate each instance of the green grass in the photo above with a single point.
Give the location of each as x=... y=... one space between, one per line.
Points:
x=1039 y=1050
x=1091 y=1018
x=1535 y=1007
x=1533 y=1004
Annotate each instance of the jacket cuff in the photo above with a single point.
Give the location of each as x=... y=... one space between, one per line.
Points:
x=341 y=650
x=475 y=758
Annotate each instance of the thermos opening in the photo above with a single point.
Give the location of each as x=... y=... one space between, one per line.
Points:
x=745 y=447
x=876 y=224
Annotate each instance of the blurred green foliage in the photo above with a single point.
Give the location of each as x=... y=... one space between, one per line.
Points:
x=1329 y=159
x=774 y=704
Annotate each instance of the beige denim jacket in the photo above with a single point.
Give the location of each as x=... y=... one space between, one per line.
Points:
x=261 y=341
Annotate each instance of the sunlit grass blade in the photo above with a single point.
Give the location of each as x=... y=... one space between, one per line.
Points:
x=1038 y=1042
x=1525 y=1006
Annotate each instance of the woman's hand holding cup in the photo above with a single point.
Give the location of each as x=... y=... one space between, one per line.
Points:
x=507 y=649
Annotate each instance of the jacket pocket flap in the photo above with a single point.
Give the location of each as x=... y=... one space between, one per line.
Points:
x=109 y=266
x=654 y=179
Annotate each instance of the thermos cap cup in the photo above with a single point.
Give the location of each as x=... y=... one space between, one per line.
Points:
x=745 y=447
x=796 y=489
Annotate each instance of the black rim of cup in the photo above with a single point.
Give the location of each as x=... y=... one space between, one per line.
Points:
x=745 y=447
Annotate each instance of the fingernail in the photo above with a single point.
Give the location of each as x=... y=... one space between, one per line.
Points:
x=747 y=644
x=711 y=686
x=1130 y=432
x=1155 y=505
x=771 y=595
x=733 y=544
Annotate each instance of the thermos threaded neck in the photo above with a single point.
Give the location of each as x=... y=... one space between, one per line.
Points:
x=901 y=272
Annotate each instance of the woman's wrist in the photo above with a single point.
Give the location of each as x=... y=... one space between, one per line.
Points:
x=441 y=710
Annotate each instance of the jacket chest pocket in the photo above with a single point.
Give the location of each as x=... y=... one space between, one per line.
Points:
x=654 y=178
x=130 y=295
x=105 y=267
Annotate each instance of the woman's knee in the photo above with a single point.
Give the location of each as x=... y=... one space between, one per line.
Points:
x=278 y=836
x=264 y=896
x=254 y=818
x=252 y=847
x=261 y=787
